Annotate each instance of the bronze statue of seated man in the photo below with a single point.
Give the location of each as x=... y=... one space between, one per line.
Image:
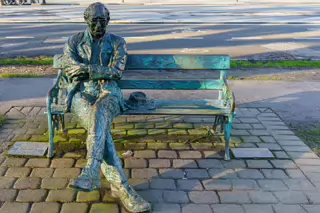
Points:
x=95 y=60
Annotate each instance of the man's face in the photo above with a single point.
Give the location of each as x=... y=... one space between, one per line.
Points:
x=97 y=23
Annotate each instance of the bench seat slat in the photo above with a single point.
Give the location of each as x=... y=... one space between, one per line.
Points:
x=174 y=107
x=172 y=84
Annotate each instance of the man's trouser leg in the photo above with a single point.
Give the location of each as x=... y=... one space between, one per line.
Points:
x=97 y=119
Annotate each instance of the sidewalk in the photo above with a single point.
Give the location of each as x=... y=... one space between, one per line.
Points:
x=173 y=175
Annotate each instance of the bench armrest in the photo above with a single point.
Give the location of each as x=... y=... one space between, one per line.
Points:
x=54 y=91
x=229 y=97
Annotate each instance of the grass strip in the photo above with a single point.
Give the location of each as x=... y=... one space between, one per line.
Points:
x=15 y=75
x=2 y=119
x=43 y=60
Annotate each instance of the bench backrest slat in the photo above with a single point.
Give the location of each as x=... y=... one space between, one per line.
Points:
x=178 y=62
x=168 y=62
x=172 y=84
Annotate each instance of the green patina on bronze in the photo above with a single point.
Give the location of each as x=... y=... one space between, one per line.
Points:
x=93 y=61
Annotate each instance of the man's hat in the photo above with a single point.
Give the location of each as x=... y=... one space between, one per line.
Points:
x=139 y=100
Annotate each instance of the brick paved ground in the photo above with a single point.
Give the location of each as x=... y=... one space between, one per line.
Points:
x=173 y=166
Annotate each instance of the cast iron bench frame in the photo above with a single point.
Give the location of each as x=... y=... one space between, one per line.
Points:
x=222 y=108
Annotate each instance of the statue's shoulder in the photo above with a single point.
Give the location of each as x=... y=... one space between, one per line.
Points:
x=76 y=38
x=116 y=39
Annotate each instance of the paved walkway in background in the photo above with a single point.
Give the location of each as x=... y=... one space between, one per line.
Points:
x=174 y=176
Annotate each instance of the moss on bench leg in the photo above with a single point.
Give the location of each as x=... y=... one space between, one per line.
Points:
x=227 y=136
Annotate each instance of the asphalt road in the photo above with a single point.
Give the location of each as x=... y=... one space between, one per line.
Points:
x=238 y=41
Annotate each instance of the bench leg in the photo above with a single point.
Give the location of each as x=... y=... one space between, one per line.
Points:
x=227 y=136
x=51 y=135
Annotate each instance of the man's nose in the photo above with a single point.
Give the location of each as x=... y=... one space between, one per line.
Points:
x=98 y=24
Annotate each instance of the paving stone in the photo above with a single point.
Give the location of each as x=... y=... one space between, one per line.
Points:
x=261 y=197
x=257 y=132
x=162 y=184
x=101 y=207
x=242 y=184
x=274 y=174
x=286 y=137
x=315 y=169
x=38 y=162
x=190 y=154
x=281 y=155
x=66 y=173
x=299 y=184
x=272 y=185
x=175 y=197
x=45 y=207
x=166 y=208
x=271 y=146
x=189 y=185
x=54 y=183
x=157 y=145
x=191 y=208
x=238 y=132
x=171 y=173
x=178 y=163
x=157 y=131
x=14 y=162
x=159 y=163
x=7 y=195
x=314 y=177
x=81 y=163
x=307 y=162
x=204 y=197
x=6 y=182
x=283 y=164
x=135 y=163
x=179 y=146
x=135 y=146
x=295 y=174
x=291 y=197
x=217 y=184
x=88 y=196
x=280 y=208
x=241 y=126
x=302 y=155
x=62 y=163
x=18 y=172
x=177 y=132
x=268 y=139
x=197 y=132
x=74 y=207
x=144 y=173
x=139 y=184
x=42 y=172
x=232 y=164
x=314 y=197
x=183 y=126
x=197 y=173
x=227 y=208
x=312 y=208
x=222 y=173
x=251 y=139
x=31 y=195
x=213 y=154
x=14 y=207
x=296 y=148
x=145 y=154
x=234 y=197
x=153 y=196
x=167 y=154
x=290 y=143
x=209 y=163
x=27 y=183
x=258 y=208
x=249 y=173
x=64 y=195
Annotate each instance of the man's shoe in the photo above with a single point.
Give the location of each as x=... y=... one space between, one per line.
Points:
x=130 y=199
x=89 y=179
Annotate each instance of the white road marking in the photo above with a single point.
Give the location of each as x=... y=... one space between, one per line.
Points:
x=245 y=38
x=307 y=38
x=14 y=37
